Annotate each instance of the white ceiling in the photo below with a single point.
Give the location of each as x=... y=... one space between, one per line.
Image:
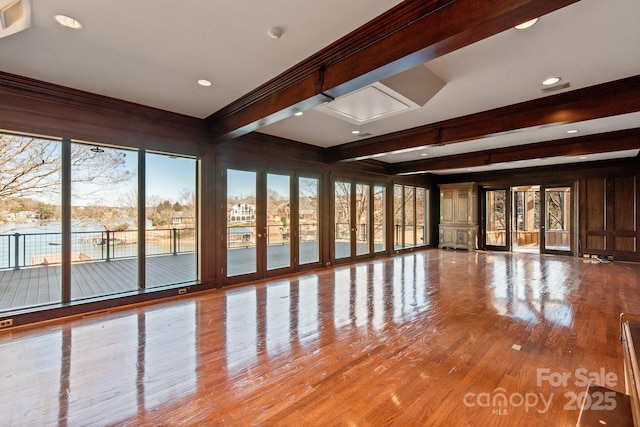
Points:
x=587 y=43
x=152 y=53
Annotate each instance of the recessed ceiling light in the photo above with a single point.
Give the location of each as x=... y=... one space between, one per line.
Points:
x=551 y=81
x=298 y=114
x=469 y=169
x=355 y=132
x=527 y=24
x=572 y=131
x=583 y=157
x=204 y=82
x=67 y=21
x=424 y=154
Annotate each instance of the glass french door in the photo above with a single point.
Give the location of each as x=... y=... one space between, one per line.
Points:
x=242 y=230
x=272 y=223
x=557 y=214
x=343 y=232
x=359 y=219
x=308 y=220
x=532 y=218
x=277 y=230
x=525 y=219
x=363 y=219
x=496 y=219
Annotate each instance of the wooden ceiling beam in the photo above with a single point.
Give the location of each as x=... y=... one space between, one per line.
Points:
x=411 y=33
x=594 y=102
x=576 y=146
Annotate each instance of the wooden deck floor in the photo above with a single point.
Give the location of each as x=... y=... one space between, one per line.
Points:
x=423 y=339
x=41 y=285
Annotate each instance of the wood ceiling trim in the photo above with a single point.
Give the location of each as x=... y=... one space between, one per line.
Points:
x=577 y=146
x=410 y=33
x=594 y=102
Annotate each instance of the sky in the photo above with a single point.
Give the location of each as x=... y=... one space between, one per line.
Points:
x=166 y=177
x=243 y=183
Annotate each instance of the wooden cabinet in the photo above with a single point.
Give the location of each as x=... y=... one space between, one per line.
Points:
x=458 y=227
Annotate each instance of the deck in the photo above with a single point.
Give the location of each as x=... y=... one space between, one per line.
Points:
x=41 y=285
x=34 y=286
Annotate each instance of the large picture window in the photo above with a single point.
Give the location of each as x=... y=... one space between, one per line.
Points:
x=73 y=218
x=30 y=221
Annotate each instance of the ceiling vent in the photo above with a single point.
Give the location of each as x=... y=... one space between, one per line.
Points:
x=15 y=16
x=403 y=92
x=368 y=104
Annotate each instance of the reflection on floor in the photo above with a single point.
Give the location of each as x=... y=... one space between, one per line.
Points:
x=527 y=249
x=429 y=338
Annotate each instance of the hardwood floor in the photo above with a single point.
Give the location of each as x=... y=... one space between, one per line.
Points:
x=428 y=338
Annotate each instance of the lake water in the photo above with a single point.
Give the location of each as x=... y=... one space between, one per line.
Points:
x=40 y=242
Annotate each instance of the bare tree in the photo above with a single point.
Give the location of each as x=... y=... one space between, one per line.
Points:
x=129 y=201
x=188 y=199
x=31 y=167
x=308 y=199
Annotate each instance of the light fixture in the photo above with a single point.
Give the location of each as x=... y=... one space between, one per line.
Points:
x=275 y=33
x=527 y=24
x=204 y=82
x=583 y=157
x=355 y=132
x=572 y=131
x=551 y=81
x=67 y=21
x=298 y=114
x=424 y=154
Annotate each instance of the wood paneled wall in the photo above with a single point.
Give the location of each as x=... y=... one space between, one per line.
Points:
x=608 y=201
x=610 y=215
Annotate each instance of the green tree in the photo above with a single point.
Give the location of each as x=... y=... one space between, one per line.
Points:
x=46 y=211
x=163 y=214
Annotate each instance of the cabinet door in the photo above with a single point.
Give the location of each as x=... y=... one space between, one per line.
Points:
x=462 y=238
x=447 y=214
x=464 y=206
x=447 y=237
